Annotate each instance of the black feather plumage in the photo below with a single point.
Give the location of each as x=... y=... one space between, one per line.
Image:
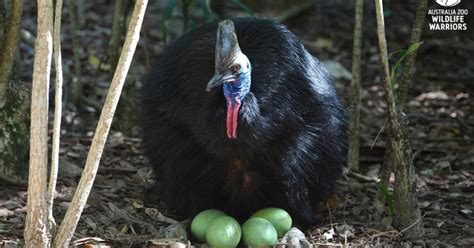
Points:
x=291 y=137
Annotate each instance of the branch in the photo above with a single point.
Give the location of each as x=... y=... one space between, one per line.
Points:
x=392 y=119
x=73 y=214
x=36 y=228
x=58 y=104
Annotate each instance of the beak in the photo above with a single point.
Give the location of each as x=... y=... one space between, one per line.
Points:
x=227 y=47
x=219 y=79
x=215 y=81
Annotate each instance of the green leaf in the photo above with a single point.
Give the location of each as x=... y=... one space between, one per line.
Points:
x=394 y=71
x=396 y=52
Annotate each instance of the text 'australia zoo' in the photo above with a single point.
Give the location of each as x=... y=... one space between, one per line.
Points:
x=448 y=19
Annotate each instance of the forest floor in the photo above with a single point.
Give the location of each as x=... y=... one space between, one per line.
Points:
x=440 y=112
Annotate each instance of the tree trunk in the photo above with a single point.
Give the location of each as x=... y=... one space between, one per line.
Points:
x=409 y=66
x=409 y=69
x=405 y=176
x=37 y=233
x=14 y=100
x=405 y=201
x=354 y=126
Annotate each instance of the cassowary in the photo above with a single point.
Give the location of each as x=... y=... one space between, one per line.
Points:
x=242 y=120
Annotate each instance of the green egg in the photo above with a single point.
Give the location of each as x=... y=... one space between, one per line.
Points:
x=259 y=232
x=280 y=219
x=223 y=232
x=201 y=222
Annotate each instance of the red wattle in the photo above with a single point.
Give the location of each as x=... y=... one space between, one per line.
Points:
x=232 y=117
x=229 y=118
x=235 y=118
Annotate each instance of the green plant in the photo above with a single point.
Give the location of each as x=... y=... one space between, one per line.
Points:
x=394 y=70
x=388 y=198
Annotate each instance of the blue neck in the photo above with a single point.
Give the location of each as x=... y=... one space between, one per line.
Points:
x=238 y=89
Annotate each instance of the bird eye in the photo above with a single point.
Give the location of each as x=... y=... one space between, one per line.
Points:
x=235 y=68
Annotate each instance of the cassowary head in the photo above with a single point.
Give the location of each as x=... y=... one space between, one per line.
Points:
x=232 y=70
